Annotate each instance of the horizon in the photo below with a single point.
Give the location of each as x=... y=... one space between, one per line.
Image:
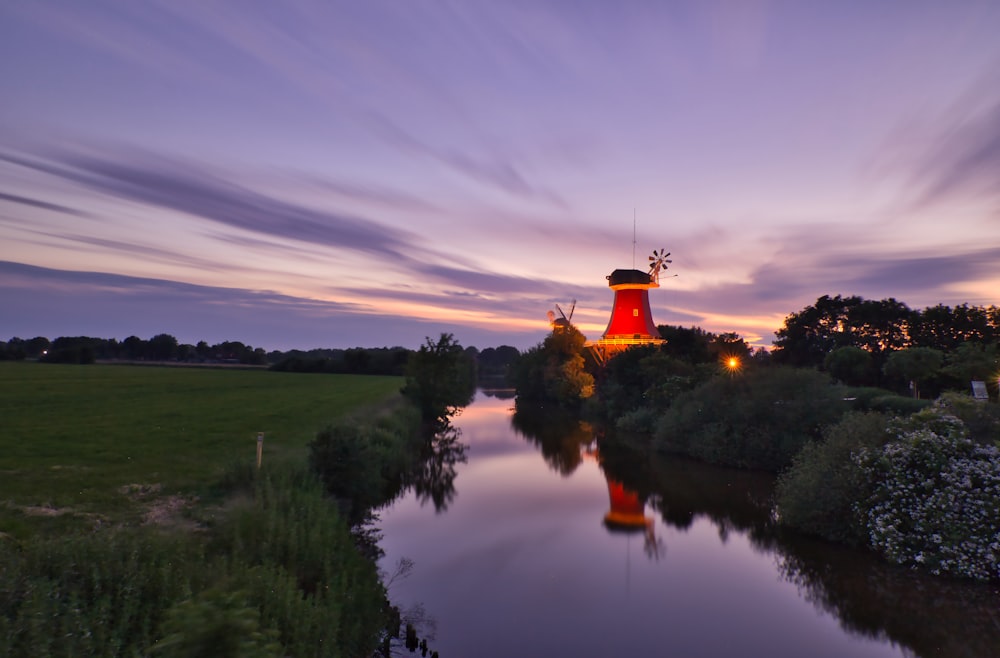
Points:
x=327 y=176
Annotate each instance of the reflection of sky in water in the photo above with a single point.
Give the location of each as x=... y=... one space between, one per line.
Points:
x=521 y=565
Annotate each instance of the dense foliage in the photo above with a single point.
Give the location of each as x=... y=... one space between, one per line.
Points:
x=818 y=493
x=934 y=497
x=556 y=370
x=760 y=419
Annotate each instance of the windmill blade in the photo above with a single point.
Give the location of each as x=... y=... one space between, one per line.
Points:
x=572 y=308
x=561 y=313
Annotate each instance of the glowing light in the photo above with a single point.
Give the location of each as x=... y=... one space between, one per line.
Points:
x=732 y=363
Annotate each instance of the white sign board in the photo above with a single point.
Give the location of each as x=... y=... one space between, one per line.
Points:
x=979 y=391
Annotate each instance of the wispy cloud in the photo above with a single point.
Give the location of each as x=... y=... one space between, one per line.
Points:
x=52 y=303
x=44 y=205
x=185 y=187
x=964 y=163
x=493 y=171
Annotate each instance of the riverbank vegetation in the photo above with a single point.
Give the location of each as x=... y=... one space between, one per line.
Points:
x=172 y=541
x=859 y=408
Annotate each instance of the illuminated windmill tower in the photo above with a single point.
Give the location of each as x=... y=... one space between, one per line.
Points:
x=631 y=321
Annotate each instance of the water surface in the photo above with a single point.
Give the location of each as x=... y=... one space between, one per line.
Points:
x=556 y=543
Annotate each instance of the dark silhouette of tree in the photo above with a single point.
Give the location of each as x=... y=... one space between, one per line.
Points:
x=162 y=347
x=691 y=344
x=878 y=327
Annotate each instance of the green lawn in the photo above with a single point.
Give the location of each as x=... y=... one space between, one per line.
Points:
x=72 y=436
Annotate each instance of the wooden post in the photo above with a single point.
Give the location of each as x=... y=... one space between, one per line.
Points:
x=260 y=447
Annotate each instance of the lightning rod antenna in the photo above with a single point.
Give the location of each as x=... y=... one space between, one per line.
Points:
x=633 y=237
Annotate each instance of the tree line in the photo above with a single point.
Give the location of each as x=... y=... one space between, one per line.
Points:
x=492 y=363
x=886 y=344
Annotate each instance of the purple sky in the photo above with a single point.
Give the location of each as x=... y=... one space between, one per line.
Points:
x=339 y=174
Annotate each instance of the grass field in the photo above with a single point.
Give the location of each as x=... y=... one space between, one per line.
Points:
x=74 y=438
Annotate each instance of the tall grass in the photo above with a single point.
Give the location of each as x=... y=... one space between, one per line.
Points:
x=278 y=575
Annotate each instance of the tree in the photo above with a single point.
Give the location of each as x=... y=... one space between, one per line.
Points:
x=945 y=328
x=36 y=347
x=689 y=344
x=916 y=365
x=729 y=345
x=162 y=347
x=134 y=348
x=555 y=371
x=878 y=327
x=815 y=331
x=439 y=378
x=851 y=365
x=972 y=361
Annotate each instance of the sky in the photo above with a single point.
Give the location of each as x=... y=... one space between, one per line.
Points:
x=321 y=173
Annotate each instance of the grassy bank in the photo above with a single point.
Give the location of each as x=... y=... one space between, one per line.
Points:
x=87 y=444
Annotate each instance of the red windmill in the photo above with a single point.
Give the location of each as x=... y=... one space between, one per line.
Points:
x=631 y=321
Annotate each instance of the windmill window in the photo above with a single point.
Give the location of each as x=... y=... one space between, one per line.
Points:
x=635 y=312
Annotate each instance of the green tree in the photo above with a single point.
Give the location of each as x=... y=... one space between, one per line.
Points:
x=440 y=377
x=973 y=361
x=915 y=365
x=851 y=365
x=555 y=371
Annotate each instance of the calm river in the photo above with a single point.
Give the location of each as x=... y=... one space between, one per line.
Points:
x=553 y=544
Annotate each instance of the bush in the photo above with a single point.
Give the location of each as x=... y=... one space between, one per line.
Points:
x=868 y=398
x=363 y=464
x=818 y=494
x=981 y=420
x=935 y=498
x=757 y=420
x=897 y=404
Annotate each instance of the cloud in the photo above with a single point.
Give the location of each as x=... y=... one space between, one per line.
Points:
x=184 y=187
x=46 y=302
x=964 y=162
x=372 y=194
x=495 y=172
x=44 y=205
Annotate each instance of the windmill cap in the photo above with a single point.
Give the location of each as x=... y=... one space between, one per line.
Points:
x=620 y=277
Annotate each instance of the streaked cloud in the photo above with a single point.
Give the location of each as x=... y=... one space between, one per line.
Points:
x=36 y=203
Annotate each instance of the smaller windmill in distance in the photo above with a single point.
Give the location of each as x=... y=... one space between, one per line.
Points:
x=563 y=321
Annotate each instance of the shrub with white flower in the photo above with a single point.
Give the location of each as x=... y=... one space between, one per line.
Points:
x=936 y=498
